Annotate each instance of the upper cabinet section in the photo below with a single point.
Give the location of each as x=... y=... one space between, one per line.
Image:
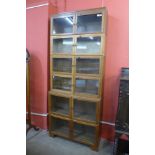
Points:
x=90 y=21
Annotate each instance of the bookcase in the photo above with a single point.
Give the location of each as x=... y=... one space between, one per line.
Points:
x=77 y=53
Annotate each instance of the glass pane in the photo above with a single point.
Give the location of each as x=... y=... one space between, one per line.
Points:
x=62 y=65
x=87 y=86
x=60 y=126
x=87 y=66
x=89 y=23
x=85 y=110
x=60 y=105
x=62 y=83
x=62 y=45
x=83 y=132
x=63 y=25
x=87 y=45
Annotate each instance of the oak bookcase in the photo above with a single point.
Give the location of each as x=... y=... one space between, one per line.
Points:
x=77 y=53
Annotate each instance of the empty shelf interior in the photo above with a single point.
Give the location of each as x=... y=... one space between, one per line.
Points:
x=85 y=110
x=62 y=65
x=87 y=86
x=84 y=133
x=60 y=126
x=60 y=105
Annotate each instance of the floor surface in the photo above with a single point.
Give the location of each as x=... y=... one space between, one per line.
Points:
x=39 y=143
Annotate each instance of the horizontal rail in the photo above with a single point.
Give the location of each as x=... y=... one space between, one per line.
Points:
x=36 y=6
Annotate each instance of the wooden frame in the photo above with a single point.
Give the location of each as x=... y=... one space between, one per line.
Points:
x=71 y=95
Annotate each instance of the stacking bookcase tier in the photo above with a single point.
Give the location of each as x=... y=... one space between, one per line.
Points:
x=77 y=53
x=73 y=130
x=74 y=107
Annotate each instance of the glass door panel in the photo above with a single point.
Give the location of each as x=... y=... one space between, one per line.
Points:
x=88 y=45
x=87 y=86
x=62 y=45
x=60 y=126
x=62 y=25
x=62 y=83
x=84 y=133
x=87 y=65
x=62 y=65
x=60 y=105
x=89 y=23
x=84 y=110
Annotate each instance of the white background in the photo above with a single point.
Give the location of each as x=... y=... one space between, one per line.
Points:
x=13 y=77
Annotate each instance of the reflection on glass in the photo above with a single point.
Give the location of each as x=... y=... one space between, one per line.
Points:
x=62 y=65
x=87 y=86
x=62 y=45
x=60 y=126
x=62 y=25
x=89 y=23
x=83 y=132
x=87 y=66
x=60 y=105
x=85 y=110
x=62 y=83
x=88 y=45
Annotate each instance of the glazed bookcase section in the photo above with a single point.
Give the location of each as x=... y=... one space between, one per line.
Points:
x=62 y=45
x=88 y=45
x=62 y=24
x=62 y=65
x=60 y=126
x=62 y=83
x=87 y=65
x=87 y=87
x=84 y=133
x=60 y=105
x=81 y=22
x=85 y=110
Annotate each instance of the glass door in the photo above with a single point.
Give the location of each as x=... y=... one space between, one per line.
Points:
x=62 y=45
x=60 y=126
x=90 y=21
x=88 y=65
x=62 y=83
x=84 y=133
x=62 y=65
x=60 y=105
x=89 y=45
x=62 y=24
x=85 y=110
x=87 y=86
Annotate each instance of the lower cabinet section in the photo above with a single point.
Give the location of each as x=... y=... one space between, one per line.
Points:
x=75 y=118
x=78 y=132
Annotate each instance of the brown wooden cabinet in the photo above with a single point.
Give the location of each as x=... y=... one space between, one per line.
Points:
x=77 y=55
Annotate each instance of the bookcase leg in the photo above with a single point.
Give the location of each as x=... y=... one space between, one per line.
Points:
x=94 y=147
